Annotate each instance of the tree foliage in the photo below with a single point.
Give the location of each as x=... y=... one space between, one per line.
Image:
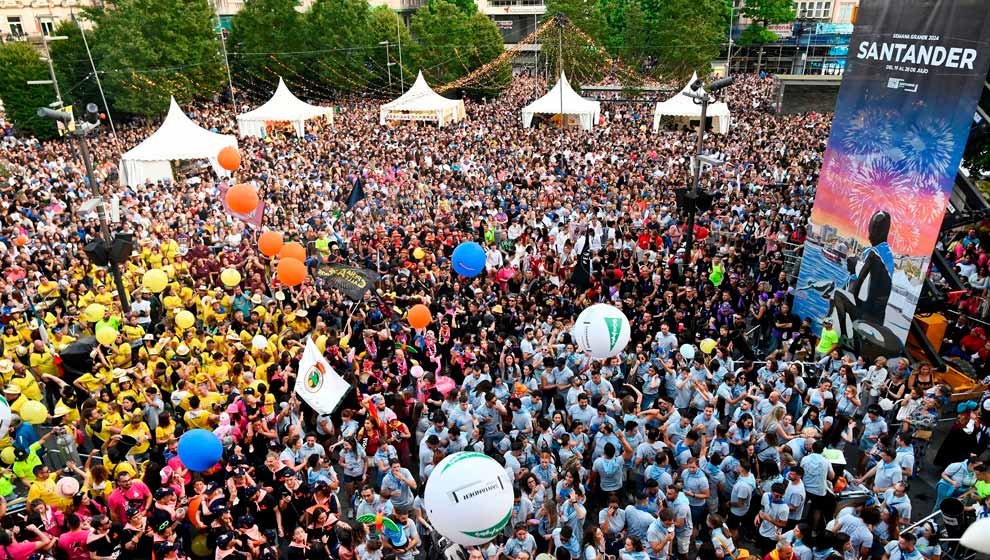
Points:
x=261 y=28
x=75 y=75
x=689 y=36
x=339 y=33
x=764 y=13
x=386 y=25
x=452 y=44
x=20 y=63
x=153 y=49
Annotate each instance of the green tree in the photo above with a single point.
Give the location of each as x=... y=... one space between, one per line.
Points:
x=20 y=63
x=578 y=44
x=764 y=13
x=689 y=37
x=75 y=74
x=452 y=44
x=469 y=7
x=637 y=35
x=263 y=27
x=339 y=31
x=148 y=50
x=386 y=26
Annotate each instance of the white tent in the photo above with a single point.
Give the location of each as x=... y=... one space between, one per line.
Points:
x=282 y=107
x=177 y=138
x=683 y=106
x=563 y=100
x=421 y=103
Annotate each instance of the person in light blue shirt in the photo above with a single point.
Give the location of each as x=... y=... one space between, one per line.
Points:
x=874 y=427
x=903 y=548
x=638 y=519
x=677 y=504
x=564 y=537
x=659 y=470
x=706 y=422
x=886 y=473
x=398 y=485
x=660 y=536
x=521 y=541
x=633 y=550
x=772 y=517
x=742 y=493
x=610 y=467
x=817 y=471
x=582 y=410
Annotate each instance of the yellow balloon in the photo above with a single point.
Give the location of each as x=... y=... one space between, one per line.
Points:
x=155 y=280
x=184 y=319
x=94 y=312
x=7 y=455
x=230 y=277
x=707 y=345
x=34 y=412
x=106 y=335
x=200 y=547
x=419 y=253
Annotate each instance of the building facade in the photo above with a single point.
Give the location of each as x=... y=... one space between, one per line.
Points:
x=29 y=20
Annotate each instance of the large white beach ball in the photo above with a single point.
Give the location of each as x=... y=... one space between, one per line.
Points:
x=468 y=498
x=603 y=330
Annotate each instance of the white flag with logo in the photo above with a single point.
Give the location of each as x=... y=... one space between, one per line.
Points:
x=317 y=383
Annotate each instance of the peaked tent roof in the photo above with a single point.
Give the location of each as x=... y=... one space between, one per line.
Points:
x=284 y=106
x=562 y=99
x=567 y=101
x=180 y=138
x=681 y=105
x=420 y=97
x=177 y=138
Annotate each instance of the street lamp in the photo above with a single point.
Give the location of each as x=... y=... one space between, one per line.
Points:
x=701 y=97
x=388 y=63
x=81 y=130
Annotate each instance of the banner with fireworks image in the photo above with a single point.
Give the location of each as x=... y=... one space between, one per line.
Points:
x=903 y=115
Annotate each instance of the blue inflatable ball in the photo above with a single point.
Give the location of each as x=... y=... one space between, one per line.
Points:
x=199 y=450
x=468 y=259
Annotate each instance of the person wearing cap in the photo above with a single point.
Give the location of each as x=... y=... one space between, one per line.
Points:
x=828 y=340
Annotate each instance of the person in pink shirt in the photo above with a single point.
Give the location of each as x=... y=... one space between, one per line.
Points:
x=73 y=541
x=127 y=492
x=22 y=550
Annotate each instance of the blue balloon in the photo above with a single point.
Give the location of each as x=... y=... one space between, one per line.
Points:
x=469 y=259
x=199 y=450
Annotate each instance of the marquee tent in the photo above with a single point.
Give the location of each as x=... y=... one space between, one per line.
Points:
x=421 y=103
x=282 y=107
x=177 y=138
x=563 y=100
x=684 y=107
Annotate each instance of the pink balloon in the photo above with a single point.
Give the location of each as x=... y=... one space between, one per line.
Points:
x=416 y=371
x=445 y=384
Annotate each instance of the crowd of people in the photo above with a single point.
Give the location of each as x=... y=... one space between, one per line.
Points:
x=646 y=455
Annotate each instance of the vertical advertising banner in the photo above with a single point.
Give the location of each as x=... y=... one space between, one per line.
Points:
x=906 y=103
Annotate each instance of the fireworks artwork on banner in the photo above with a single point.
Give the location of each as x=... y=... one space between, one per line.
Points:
x=902 y=117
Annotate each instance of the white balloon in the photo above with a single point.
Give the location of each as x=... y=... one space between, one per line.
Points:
x=468 y=498
x=259 y=342
x=977 y=536
x=687 y=351
x=603 y=330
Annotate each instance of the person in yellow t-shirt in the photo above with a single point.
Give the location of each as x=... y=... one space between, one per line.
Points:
x=11 y=340
x=42 y=360
x=138 y=430
x=26 y=381
x=131 y=330
x=217 y=369
x=196 y=417
x=43 y=488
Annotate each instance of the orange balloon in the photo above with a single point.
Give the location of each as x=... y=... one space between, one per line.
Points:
x=419 y=316
x=270 y=243
x=21 y=240
x=292 y=250
x=242 y=198
x=229 y=158
x=291 y=272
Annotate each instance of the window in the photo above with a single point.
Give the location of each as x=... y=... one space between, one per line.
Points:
x=14 y=23
x=814 y=9
x=47 y=27
x=845 y=12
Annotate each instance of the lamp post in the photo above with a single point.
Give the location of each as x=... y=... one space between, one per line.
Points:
x=80 y=132
x=701 y=97
x=388 y=63
x=398 y=38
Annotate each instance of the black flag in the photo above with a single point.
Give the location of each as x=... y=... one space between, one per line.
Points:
x=357 y=193
x=581 y=276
